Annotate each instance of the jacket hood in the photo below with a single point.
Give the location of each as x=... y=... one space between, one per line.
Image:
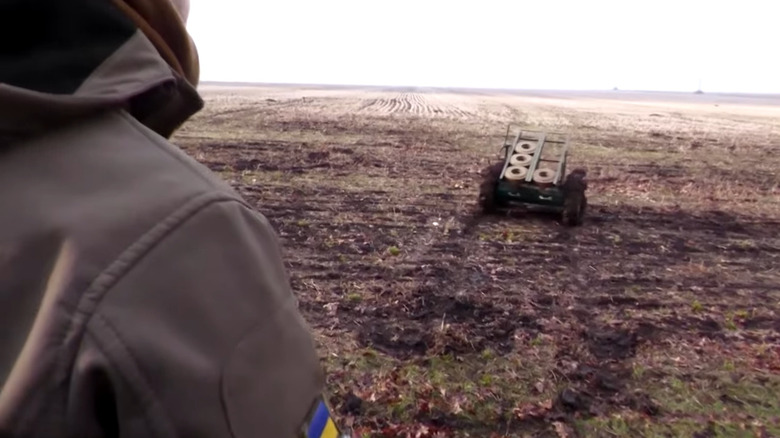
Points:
x=61 y=60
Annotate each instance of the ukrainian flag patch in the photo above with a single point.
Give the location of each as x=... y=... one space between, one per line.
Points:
x=321 y=424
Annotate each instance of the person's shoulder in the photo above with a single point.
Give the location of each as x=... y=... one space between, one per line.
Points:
x=165 y=152
x=107 y=181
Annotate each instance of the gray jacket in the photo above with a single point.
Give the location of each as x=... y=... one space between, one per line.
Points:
x=140 y=296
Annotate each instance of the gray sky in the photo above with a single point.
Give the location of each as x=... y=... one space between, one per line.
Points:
x=732 y=46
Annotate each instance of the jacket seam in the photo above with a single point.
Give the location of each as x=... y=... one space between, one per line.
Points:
x=158 y=426
x=92 y=296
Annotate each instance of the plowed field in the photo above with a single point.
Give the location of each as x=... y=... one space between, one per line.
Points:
x=657 y=317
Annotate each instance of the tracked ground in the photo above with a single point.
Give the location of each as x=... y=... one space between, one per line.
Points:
x=658 y=317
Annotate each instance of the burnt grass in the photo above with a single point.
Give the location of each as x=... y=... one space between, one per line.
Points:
x=581 y=331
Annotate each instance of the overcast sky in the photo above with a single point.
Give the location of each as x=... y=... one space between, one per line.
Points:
x=731 y=45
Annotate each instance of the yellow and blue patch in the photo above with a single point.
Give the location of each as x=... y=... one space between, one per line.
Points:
x=321 y=424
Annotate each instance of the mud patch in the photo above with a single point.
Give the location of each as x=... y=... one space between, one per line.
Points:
x=445 y=324
x=610 y=300
x=611 y=343
x=396 y=339
x=704 y=327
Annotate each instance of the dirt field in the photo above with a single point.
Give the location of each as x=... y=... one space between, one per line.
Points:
x=660 y=316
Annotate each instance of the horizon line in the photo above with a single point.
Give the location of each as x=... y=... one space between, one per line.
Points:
x=463 y=88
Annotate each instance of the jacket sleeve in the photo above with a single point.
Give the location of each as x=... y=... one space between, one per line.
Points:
x=200 y=337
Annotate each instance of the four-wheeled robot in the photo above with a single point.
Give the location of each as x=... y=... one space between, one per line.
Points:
x=531 y=175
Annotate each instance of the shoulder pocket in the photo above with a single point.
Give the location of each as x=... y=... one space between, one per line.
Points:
x=272 y=378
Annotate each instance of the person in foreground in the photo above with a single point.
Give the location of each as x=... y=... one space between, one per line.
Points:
x=140 y=296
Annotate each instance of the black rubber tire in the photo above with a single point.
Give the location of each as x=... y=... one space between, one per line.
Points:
x=574 y=209
x=576 y=202
x=487 y=189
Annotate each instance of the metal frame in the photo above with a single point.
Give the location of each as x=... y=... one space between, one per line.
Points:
x=537 y=156
x=542 y=141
